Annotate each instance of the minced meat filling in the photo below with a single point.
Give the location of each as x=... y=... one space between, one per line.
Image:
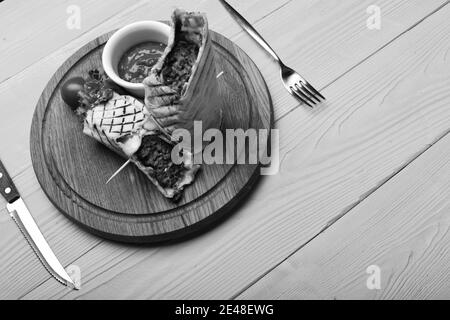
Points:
x=179 y=65
x=156 y=153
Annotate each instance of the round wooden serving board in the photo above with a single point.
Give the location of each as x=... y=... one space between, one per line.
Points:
x=72 y=168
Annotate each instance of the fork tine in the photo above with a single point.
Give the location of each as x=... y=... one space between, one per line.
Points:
x=299 y=96
x=310 y=87
x=305 y=92
x=311 y=93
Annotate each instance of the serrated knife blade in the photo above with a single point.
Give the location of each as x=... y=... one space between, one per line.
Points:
x=24 y=220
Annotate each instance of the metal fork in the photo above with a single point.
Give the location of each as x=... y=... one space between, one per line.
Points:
x=292 y=81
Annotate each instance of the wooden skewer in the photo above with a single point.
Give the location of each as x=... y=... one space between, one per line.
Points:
x=119 y=170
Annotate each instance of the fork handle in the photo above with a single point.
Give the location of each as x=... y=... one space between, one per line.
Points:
x=250 y=30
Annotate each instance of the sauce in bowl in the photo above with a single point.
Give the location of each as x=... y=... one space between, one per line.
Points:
x=136 y=62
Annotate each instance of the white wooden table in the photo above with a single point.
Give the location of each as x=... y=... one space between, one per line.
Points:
x=364 y=181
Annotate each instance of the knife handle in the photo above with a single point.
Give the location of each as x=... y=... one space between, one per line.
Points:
x=7 y=188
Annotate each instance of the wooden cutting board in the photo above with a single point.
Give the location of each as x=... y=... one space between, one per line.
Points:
x=72 y=168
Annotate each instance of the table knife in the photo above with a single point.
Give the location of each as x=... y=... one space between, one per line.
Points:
x=20 y=214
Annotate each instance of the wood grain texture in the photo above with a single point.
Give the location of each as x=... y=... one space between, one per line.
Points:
x=321 y=21
x=72 y=168
x=326 y=39
x=403 y=228
x=377 y=118
x=29 y=31
x=350 y=29
x=36 y=76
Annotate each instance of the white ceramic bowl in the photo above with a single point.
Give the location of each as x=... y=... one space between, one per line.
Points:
x=125 y=38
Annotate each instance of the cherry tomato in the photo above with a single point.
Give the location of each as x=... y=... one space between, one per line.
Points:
x=69 y=91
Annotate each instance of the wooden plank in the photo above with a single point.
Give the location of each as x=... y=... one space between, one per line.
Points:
x=30 y=30
x=55 y=217
x=35 y=77
x=16 y=281
x=26 y=37
x=16 y=250
x=326 y=39
x=402 y=229
x=377 y=118
x=328 y=66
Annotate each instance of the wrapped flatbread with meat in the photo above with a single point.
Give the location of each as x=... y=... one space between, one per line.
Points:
x=118 y=124
x=182 y=87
